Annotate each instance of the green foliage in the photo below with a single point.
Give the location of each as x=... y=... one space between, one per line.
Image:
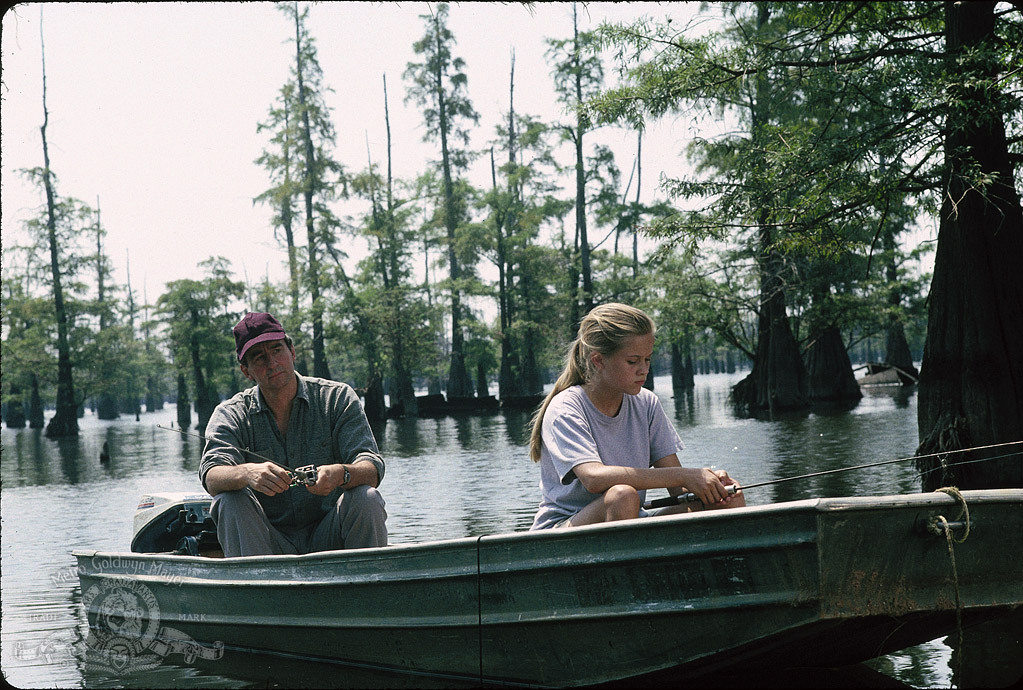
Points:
x=439 y=86
x=109 y=357
x=578 y=72
x=29 y=332
x=834 y=122
x=198 y=319
x=859 y=94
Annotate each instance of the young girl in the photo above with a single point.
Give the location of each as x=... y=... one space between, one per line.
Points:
x=602 y=439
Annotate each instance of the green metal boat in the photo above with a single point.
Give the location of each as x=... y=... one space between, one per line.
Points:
x=818 y=582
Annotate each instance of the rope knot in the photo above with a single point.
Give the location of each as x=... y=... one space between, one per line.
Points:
x=939 y=525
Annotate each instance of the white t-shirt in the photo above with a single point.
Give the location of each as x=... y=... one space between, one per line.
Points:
x=574 y=431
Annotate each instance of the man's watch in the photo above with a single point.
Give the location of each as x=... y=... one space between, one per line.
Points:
x=347 y=477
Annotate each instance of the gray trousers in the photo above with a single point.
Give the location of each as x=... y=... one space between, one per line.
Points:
x=356 y=522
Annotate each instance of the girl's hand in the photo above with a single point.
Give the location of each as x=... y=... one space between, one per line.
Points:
x=707 y=485
x=736 y=500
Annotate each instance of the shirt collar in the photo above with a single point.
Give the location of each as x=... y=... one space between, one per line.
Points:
x=258 y=404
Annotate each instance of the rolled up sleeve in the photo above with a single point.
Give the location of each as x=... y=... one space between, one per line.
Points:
x=352 y=434
x=222 y=443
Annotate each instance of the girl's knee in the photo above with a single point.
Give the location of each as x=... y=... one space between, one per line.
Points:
x=622 y=498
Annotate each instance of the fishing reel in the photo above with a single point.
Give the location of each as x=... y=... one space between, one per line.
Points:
x=303 y=476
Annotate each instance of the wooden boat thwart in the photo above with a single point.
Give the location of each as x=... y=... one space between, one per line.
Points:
x=817 y=582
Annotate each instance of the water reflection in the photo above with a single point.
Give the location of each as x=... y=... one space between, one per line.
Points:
x=399 y=437
x=516 y=426
x=901 y=396
x=685 y=406
x=811 y=444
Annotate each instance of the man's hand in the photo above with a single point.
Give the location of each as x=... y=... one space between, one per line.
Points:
x=328 y=478
x=266 y=478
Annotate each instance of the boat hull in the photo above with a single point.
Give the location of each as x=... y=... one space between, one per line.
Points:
x=823 y=582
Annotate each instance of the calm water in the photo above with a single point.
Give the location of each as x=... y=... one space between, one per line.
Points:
x=445 y=478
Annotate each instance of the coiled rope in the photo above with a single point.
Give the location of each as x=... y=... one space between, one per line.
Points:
x=939 y=525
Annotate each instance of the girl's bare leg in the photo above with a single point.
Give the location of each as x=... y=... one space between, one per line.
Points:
x=620 y=502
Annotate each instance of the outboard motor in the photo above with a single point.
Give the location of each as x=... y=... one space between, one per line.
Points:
x=176 y=523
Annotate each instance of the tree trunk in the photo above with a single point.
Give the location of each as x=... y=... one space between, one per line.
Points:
x=65 y=421
x=373 y=403
x=580 y=176
x=459 y=384
x=682 y=364
x=35 y=410
x=482 y=389
x=406 y=392
x=897 y=351
x=184 y=404
x=831 y=377
x=778 y=380
x=971 y=380
x=406 y=398
x=287 y=223
x=635 y=225
x=574 y=316
x=509 y=380
x=532 y=380
x=203 y=404
x=649 y=383
x=531 y=377
x=15 y=413
x=106 y=406
x=154 y=395
x=320 y=368
x=294 y=279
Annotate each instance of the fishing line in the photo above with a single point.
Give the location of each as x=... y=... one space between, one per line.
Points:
x=690 y=497
x=966 y=462
x=892 y=462
x=243 y=450
x=299 y=475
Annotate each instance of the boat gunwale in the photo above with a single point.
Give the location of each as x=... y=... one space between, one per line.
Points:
x=811 y=506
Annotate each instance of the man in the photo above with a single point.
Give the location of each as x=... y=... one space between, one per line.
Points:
x=295 y=421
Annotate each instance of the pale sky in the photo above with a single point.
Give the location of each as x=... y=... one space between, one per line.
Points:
x=154 y=107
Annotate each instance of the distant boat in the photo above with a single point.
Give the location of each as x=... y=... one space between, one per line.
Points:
x=884 y=374
x=818 y=582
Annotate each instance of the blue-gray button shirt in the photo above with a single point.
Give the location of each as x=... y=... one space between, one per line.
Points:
x=327 y=426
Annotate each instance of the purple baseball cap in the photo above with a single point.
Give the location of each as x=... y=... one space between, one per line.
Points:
x=254 y=328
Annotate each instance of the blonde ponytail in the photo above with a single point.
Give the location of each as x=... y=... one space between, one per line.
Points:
x=603 y=330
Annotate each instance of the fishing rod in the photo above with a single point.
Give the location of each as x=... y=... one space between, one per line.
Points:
x=691 y=497
x=300 y=475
